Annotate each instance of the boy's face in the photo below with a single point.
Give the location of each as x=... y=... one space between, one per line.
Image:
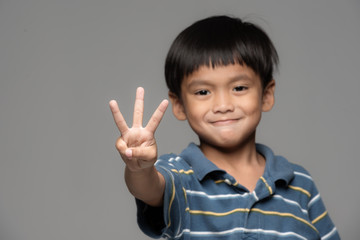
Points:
x=223 y=105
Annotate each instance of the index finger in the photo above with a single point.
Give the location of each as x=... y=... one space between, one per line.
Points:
x=157 y=116
x=118 y=117
x=138 y=107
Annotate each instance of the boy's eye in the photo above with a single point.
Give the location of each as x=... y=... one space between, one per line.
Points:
x=202 y=92
x=239 y=88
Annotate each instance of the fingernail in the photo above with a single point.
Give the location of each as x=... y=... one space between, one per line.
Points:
x=128 y=153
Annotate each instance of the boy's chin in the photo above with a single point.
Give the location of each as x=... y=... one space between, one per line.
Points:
x=228 y=144
x=224 y=146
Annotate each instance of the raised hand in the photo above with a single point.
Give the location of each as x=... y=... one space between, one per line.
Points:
x=137 y=145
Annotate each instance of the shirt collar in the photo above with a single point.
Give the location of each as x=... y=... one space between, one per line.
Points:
x=277 y=168
x=197 y=160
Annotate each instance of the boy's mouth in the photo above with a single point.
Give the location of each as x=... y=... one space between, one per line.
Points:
x=224 y=122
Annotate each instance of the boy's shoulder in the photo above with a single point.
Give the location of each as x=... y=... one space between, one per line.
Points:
x=186 y=157
x=279 y=160
x=172 y=162
x=190 y=161
x=298 y=176
x=280 y=168
x=299 y=168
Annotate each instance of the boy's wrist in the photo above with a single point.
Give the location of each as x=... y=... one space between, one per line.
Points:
x=146 y=185
x=140 y=171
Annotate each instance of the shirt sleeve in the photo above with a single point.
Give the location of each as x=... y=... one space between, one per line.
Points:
x=166 y=221
x=319 y=216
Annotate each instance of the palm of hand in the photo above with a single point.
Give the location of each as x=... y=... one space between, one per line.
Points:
x=137 y=145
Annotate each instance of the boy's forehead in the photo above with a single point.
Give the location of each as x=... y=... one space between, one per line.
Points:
x=232 y=71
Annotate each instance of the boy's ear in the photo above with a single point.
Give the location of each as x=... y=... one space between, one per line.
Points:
x=268 y=98
x=177 y=106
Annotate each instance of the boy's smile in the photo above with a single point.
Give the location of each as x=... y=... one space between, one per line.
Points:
x=223 y=105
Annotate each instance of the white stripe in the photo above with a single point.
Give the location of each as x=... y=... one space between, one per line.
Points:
x=234 y=230
x=291 y=202
x=304 y=175
x=228 y=181
x=329 y=234
x=317 y=197
x=174 y=159
x=218 y=196
x=255 y=196
x=161 y=160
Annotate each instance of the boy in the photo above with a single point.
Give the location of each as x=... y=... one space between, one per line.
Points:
x=220 y=77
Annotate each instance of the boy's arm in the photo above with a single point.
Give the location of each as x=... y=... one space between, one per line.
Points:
x=147 y=185
x=138 y=149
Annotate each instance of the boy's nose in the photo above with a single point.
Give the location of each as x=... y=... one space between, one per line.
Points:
x=223 y=103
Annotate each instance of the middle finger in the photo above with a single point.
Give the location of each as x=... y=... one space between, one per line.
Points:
x=138 y=107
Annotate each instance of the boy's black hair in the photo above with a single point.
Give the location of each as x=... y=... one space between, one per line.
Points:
x=219 y=41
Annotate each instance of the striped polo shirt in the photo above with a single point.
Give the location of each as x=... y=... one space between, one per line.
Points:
x=204 y=202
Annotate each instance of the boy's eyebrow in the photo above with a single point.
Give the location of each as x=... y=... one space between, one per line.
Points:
x=198 y=81
x=241 y=77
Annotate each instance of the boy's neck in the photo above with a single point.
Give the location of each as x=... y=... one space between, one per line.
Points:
x=243 y=154
x=242 y=162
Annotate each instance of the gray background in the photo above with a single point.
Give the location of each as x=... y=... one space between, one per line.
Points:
x=62 y=61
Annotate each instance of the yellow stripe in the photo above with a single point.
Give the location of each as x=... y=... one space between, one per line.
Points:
x=185 y=195
x=300 y=190
x=183 y=171
x=319 y=217
x=224 y=181
x=208 y=213
x=215 y=214
x=171 y=201
x=267 y=185
x=283 y=215
x=219 y=181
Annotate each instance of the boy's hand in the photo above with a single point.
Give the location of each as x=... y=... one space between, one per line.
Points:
x=137 y=145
